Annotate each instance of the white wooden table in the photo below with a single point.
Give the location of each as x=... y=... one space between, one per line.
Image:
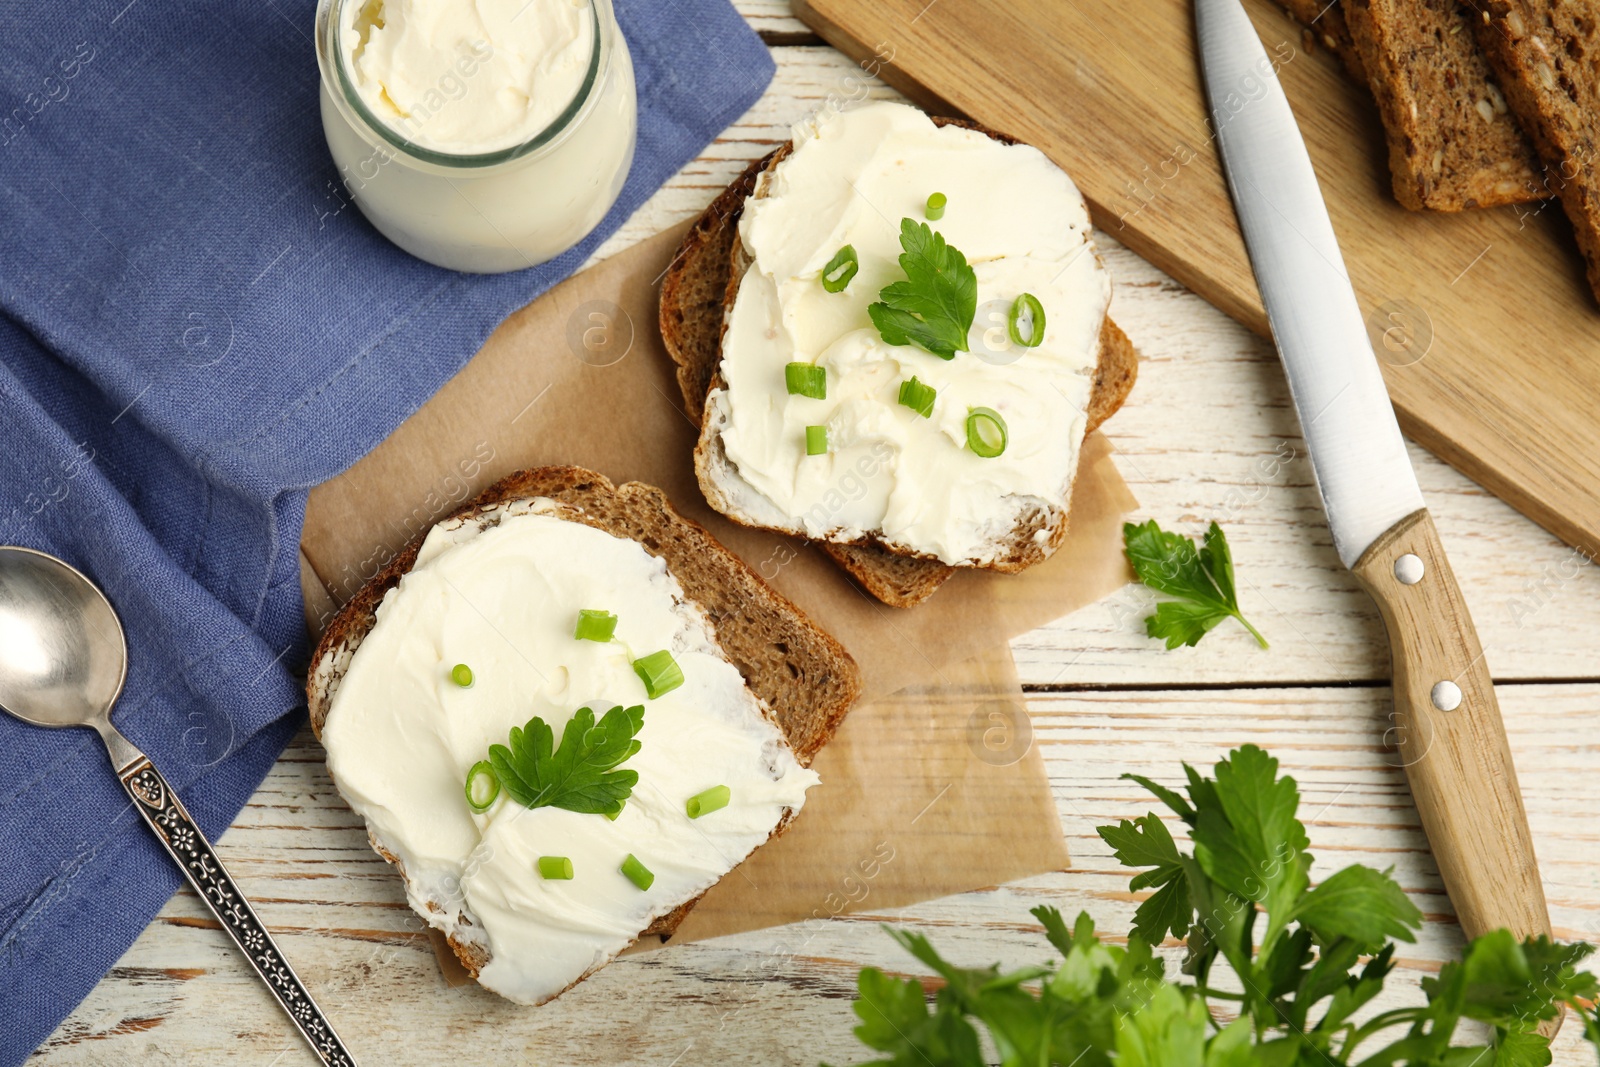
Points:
x=1209 y=411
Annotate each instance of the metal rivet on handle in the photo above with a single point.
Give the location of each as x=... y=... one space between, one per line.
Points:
x=1446 y=696
x=1409 y=569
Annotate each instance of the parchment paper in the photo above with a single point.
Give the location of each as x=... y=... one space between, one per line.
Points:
x=932 y=786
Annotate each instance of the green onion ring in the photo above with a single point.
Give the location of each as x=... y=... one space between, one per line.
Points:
x=479 y=778
x=1029 y=304
x=986 y=432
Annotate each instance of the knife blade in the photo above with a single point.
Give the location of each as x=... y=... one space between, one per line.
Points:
x=1357 y=453
x=1446 y=723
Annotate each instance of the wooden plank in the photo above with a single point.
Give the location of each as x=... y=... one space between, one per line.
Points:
x=181 y=995
x=1504 y=388
x=773 y=20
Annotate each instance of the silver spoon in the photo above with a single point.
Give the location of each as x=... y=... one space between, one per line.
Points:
x=63 y=660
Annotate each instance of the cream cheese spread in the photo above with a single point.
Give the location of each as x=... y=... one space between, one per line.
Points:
x=1022 y=225
x=467 y=76
x=401 y=737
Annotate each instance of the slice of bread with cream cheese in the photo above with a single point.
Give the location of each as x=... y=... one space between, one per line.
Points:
x=898 y=492
x=540 y=872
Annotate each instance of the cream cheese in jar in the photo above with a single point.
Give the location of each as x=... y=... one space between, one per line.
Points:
x=482 y=136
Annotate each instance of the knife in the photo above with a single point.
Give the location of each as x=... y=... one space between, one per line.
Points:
x=1446 y=722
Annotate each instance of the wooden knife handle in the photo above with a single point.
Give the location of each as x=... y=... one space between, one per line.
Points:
x=1447 y=728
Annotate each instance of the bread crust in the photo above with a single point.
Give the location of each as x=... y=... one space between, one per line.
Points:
x=710 y=259
x=804 y=678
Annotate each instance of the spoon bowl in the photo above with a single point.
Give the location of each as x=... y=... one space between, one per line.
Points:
x=63 y=656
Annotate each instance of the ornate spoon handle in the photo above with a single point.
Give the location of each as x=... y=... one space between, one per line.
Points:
x=165 y=814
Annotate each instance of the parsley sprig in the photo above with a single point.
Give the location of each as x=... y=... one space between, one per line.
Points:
x=1199 y=580
x=581 y=775
x=934 y=306
x=1323 y=954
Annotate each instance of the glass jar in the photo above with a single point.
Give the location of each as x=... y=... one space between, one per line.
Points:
x=493 y=211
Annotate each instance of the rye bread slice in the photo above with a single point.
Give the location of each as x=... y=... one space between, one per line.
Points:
x=805 y=677
x=696 y=292
x=1548 y=59
x=1453 y=143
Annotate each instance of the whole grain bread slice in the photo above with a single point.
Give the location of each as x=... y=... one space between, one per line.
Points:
x=1453 y=143
x=1547 y=56
x=701 y=284
x=1432 y=85
x=803 y=676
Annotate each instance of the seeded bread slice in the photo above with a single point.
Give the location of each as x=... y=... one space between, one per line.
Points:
x=696 y=292
x=803 y=676
x=1547 y=56
x=1453 y=143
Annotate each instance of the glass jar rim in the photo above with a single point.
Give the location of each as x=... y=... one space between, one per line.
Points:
x=335 y=76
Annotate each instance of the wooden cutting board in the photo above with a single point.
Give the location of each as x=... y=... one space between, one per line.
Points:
x=1488 y=336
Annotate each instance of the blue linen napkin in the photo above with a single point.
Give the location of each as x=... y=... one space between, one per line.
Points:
x=195 y=329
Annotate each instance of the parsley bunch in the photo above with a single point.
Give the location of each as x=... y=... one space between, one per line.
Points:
x=1307 y=960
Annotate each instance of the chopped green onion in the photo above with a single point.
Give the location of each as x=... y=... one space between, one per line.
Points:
x=1027 y=304
x=637 y=873
x=935 y=209
x=612 y=815
x=806 y=379
x=659 y=672
x=595 y=625
x=918 y=396
x=816 y=440
x=986 y=432
x=711 y=800
x=556 y=868
x=840 y=269
x=482 y=787
x=461 y=674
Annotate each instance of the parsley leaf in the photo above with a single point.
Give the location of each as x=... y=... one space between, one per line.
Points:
x=1171 y=799
x=1169 y=1032
x=1247 y=838
x=934 y=307
x=1350 y=992
x=1200 y=580
x=1012 y=1015
x=1145 y=842
x=1499 y=976
x=580 y=775
x=895 y=1019
x=1361 y=904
